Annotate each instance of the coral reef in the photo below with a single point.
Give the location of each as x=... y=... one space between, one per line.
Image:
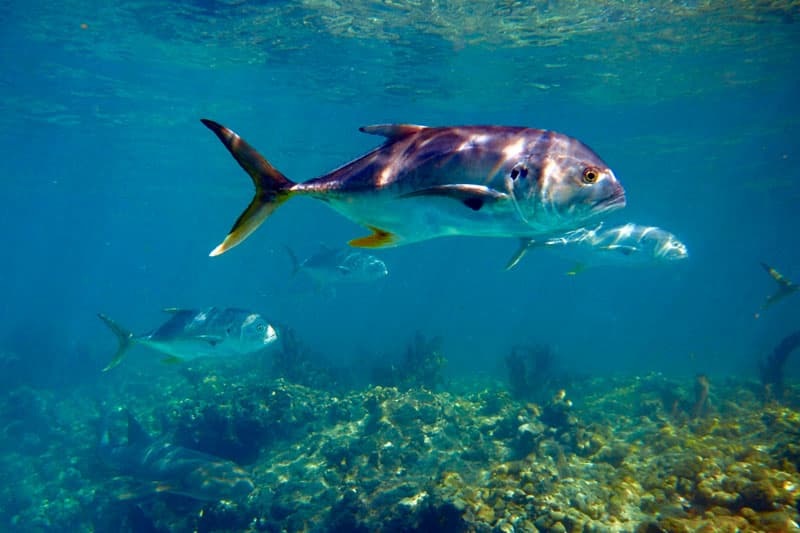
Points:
x=295 y=362
x=771 y=368
x=701 y=388
x=531 y=370
x=421 y=366
x=606 y=455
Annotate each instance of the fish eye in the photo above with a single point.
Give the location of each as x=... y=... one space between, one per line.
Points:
x=519 y=170
x=590 y=175
x=260 y=327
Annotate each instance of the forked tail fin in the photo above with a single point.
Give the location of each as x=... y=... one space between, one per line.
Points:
x=124 y=337
x=293 y=259
x=272 y=187
x=785 y=287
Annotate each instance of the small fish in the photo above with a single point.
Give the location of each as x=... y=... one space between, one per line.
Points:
x=162 y=467
x=189 y=333
x=422 y=183
x=626 y=244
x=785 y=287
x=338 y=266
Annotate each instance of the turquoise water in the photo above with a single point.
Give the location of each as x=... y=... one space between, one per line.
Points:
x=114 y=192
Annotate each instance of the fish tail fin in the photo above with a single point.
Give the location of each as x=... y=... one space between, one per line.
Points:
x=272 y=187
x=124 y=337
x=293 y=259
x=785 y=287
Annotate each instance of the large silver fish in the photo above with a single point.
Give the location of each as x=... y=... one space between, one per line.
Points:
x=189 y=333
x=163 y=467
x=620 y=245
x=333 y=266
x=422 y=183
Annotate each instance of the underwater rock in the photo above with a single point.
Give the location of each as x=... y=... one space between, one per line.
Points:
x=236 y=422
x=528 y=436
x=613 y=454
x=557 y=412
x=758 y=495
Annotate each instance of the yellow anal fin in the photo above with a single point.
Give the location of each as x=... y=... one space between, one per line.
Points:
x=378 y=239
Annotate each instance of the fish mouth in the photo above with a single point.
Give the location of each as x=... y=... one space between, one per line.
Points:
x=617 y=201
x=270 y=336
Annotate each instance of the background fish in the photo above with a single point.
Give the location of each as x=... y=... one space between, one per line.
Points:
x=164 y=467
x=330 y=266
x=423 y=183
x=785 y=287
x=190 y=333
x=627 y=244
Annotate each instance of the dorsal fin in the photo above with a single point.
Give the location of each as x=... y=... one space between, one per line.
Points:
x=778 y=277
x=136 y=433
x=393 y=132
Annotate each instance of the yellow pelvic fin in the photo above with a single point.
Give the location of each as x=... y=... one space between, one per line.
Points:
x=378 y=239
x=172 y=360
x=577 y=269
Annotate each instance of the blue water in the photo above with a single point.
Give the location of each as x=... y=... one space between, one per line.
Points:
x=113 y=192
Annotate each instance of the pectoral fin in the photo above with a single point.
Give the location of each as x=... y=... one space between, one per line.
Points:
x=213 y=340
x=577 y=269
x=472 y=196
x=620 y=248
x=524 y=246
x=378 y=239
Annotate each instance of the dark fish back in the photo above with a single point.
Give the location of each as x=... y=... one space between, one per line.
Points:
x=413 y=156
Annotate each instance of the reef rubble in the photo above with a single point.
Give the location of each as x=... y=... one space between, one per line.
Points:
x=614 y=454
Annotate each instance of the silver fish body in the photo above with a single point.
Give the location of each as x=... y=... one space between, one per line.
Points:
x=423 y=183
x=330 y=266
x=628 y=242
x=191 y=333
